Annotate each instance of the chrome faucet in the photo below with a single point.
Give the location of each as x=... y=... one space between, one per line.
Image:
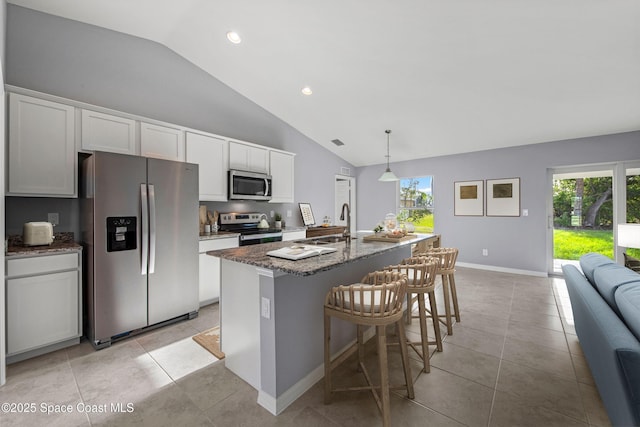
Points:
x=347 y=231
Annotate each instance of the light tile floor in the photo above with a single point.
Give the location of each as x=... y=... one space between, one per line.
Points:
x=513 y=360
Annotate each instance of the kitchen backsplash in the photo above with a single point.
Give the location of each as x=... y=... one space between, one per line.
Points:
x=25 y=209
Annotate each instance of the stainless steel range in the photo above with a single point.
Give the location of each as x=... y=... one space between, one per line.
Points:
x=249 y=227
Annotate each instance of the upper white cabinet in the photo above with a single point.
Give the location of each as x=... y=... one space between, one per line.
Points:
x=161 y=142
x=248 y=157
x=105 y=132
x=41 y=151
x=211 y=154
x=282 y=176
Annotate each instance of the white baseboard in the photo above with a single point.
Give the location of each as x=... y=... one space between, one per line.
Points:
x=279 y=404
x=503 y=269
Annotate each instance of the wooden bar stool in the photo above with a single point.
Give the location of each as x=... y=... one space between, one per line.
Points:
x=446 y=269
x=377 y=301
x=421 y=277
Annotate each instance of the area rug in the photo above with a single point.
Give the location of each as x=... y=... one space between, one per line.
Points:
x=210 y=340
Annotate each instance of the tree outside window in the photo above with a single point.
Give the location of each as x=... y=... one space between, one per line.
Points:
x=415 y=202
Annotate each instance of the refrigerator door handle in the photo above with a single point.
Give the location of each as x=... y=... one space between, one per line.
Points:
x=144 y=204
x=152 y=229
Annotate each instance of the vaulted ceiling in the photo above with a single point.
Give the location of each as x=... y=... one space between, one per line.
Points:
x=445 y=76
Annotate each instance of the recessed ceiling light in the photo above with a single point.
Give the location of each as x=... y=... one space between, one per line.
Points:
x=234 y=37
x=306 y=90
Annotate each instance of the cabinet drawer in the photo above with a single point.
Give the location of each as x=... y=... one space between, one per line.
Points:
x=41 y=264
x=215 y=244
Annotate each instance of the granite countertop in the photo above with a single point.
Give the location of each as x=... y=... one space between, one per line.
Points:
x=218 y=235
x=62 y=242
x=257 y=255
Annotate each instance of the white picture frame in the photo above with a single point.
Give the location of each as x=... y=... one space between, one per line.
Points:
x=468 y=198
x=503 y=197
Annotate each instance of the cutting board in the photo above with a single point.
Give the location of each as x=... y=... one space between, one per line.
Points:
x=388 y=239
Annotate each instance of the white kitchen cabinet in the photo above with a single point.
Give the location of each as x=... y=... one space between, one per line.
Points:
x=248 y=157
x=44 y=304
x=41 y=151
x=105 y=132
x=293 y=235
x=210 y=268
x=282 y=176
x=161 y=142
x=211 y=154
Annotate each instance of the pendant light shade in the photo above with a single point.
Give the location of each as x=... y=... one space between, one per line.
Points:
x=388 y=175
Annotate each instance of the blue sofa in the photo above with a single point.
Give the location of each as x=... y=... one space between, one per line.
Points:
x=606 y=310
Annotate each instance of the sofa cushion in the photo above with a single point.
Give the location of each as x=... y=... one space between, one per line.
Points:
x=609 y=277
x=591 y=261
x=628 y=301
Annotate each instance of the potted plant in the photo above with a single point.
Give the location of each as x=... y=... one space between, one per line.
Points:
x=278 y=219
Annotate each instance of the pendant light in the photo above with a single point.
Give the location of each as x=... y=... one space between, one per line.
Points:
x=388 y=175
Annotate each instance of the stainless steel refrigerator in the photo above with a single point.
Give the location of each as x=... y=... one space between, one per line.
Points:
x=139 y=224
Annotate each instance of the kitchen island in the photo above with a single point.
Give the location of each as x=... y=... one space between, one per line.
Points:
x=271 y=311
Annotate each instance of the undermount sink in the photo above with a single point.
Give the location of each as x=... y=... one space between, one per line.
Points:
x=322 y=240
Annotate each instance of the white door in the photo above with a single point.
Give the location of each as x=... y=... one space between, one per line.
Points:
x=345 y=192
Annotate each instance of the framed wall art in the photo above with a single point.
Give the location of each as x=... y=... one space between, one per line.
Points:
x=503 y=197
x=468 y=198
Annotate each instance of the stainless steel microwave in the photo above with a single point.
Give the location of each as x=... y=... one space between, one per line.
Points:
x=245 y=185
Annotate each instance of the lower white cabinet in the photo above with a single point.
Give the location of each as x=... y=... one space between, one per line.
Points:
x=210 y=268
x=294 y=235
x=44 y=304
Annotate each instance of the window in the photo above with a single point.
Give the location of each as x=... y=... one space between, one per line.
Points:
x=415 y=202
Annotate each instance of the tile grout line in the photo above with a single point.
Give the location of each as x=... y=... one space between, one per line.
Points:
x=504 y=341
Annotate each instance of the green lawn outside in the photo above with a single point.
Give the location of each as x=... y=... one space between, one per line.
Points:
x=572 y=244
x=425 y=225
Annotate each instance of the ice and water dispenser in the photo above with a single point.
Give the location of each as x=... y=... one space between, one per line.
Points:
x=121 y=233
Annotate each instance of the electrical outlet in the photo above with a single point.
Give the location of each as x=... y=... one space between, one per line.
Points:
x=53 y=218
x=485 y=252
x=525 y=212
x=265 y=309
x=288 y=214
x=272 y=213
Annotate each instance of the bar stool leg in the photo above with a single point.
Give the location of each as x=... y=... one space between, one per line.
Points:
x=404 y=352
x=409 y=307
x=454 y=297
x=435 y=319
x=327 y=359
x=423 y=333
x=384 y=375
x=360 y=338
x=447 y=304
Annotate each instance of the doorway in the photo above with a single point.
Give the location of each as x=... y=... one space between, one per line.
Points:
x=345 y=192
x=583 y=214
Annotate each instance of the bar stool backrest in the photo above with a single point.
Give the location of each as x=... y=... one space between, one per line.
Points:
x=420 y=271
x=380 y=294
x=447 y=257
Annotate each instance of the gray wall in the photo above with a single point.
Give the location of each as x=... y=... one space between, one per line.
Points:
x=110 y=69
x=515 y=242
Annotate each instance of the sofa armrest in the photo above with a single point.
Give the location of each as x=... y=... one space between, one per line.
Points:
x=602 y=334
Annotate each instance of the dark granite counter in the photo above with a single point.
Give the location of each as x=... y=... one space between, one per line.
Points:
x=62 y=242
x=257 y=255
